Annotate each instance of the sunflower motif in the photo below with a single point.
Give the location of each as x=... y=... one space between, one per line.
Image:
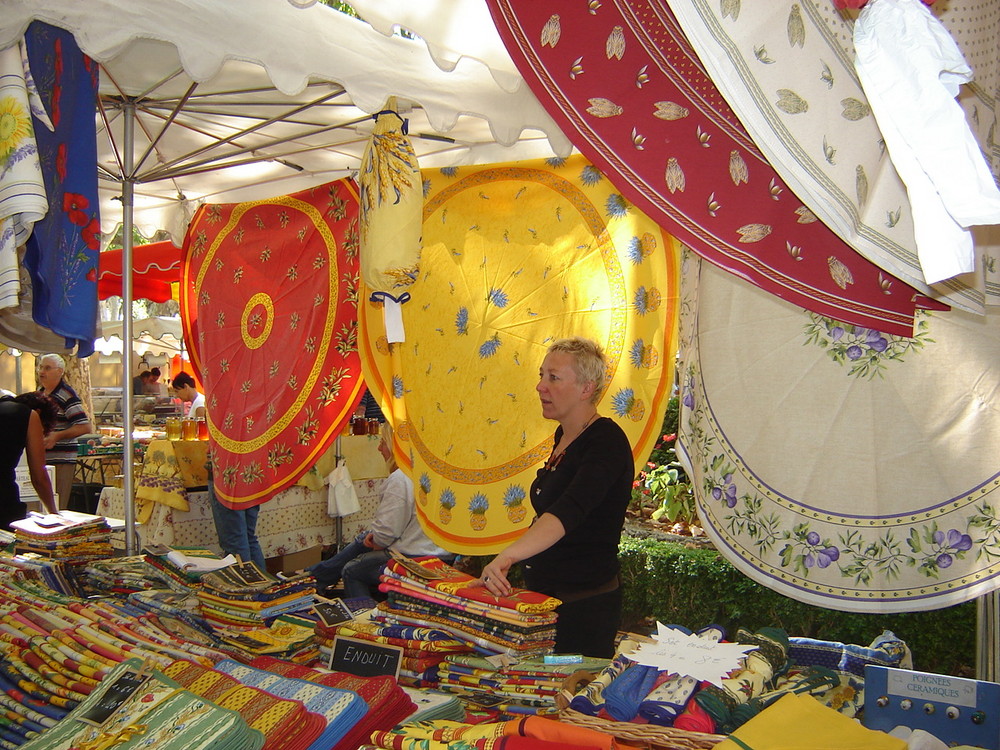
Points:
x=15 y=126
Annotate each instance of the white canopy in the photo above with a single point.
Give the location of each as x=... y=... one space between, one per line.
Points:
x=158 y=335
x=259 y=98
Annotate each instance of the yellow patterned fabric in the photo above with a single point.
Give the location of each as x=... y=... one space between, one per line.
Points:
x=391 y=198
x=516 y=256
x=169 y=468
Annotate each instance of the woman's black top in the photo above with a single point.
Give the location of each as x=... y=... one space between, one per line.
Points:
x=14 y=427
x=588 y=489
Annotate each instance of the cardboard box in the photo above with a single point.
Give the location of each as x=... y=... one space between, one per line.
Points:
x=293 y=561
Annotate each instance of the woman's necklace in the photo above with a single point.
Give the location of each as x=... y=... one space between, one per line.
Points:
x=555 y=458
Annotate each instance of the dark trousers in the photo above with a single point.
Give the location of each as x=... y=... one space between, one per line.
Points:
x=589 y=626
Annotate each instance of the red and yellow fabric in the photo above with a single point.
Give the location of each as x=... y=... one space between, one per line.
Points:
x=515 y=256
x=516 y=734
x=269 y=304
x=623 y=82
x=456 y=583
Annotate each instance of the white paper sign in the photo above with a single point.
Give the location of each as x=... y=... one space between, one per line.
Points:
x=688 y=655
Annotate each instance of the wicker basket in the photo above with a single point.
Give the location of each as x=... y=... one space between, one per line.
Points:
x=650 y=736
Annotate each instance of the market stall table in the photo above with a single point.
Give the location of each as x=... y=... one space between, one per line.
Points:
x=91 y=470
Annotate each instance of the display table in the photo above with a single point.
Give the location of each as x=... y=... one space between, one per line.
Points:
x=293 y=520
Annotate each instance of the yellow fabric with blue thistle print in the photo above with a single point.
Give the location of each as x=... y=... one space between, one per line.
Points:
x=391 y=198
x=516 y=256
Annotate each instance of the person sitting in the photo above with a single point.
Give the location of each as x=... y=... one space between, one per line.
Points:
x=396 y=528
x=184 y=388
x=72 y=421
x=24 y=421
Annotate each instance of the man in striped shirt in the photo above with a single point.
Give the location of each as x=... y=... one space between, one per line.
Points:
x=72 y=421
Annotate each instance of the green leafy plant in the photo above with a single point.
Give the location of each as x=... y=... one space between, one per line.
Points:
x=668 y=488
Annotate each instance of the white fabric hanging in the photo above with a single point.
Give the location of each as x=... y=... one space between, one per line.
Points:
x=341 y=499
x=911 y=69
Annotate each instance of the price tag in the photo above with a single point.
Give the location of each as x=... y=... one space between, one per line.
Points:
x=114 y=696
x=364 y=658
x=333 y=612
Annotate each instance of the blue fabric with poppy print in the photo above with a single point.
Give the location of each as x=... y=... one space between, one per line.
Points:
x=61 y=254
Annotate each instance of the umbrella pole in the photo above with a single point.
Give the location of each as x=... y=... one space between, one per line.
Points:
x=987 y=627
x=128 y=450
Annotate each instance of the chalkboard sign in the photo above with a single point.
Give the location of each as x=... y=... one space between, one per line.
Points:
x=364 y=658
x=333 y=612
x=116 y=694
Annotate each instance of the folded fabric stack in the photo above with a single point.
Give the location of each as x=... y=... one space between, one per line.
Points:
x=178 y=574
x=341 y=709
x=796 y=721
x=423 y=648
x=528 y=686
x=848 y=662
x=285 y=723
x=388 y=703
x=71 y=641
x=528 y=733
x=243 y=596
x=124 y=575
x=138 y=707
x=287 y=637
x=48 y=577
x=434 y=704
x=430 y=593
x=71 y=540
x=184 y=606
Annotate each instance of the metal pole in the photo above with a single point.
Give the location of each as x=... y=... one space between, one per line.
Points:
x=987 y=629
x=128 y=449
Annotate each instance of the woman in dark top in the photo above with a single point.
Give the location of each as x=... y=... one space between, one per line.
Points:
x=579 y=496
x=24 y=420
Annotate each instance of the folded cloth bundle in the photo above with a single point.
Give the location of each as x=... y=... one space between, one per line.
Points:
x=285 y=723
x=388 y=704
x=340 y=709
x=797 y=721
x=445 y=579
x=157 y=713
x=529 y=733
x=733 y=703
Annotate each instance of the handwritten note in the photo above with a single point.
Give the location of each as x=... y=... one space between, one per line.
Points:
x=688 y=655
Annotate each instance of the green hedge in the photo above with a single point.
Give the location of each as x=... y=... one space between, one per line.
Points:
x=673 y=584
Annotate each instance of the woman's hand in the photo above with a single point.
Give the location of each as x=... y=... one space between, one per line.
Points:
x=494 y=577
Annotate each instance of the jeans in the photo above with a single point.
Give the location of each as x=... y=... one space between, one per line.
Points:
x=327 y=572
x=362 y=573
x=237 y=530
